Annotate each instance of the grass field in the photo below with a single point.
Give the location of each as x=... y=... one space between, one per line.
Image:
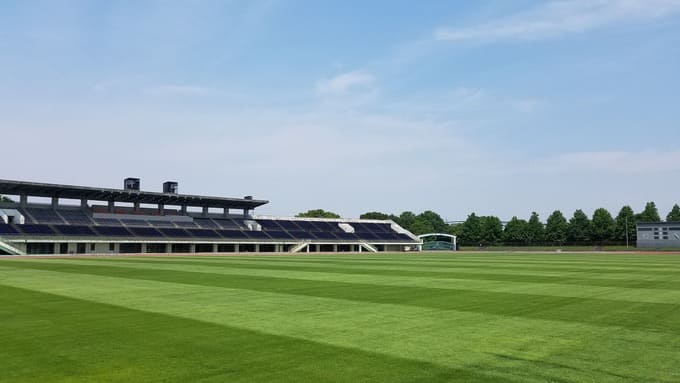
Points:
x=342 y=318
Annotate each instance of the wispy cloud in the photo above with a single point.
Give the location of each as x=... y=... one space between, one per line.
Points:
x=176 y=90
x=615 y=162
x=346 y=82
x=558 y=18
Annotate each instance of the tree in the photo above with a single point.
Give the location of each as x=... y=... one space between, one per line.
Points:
x=435 y=220
x=625 y=224
x=579 y=227
x=406 y=220
x=455 y=229
x=515 y=231
x=5 y=199
x=318 y=213
x=674 y=214
x=490 y=230
x=421 y=226
x=650 y=214
x=375 y=215
x=471 y=231
x=556 y=228
x=602 y=226
x=535 y=232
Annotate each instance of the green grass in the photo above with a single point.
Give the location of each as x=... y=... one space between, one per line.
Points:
x=472 y=317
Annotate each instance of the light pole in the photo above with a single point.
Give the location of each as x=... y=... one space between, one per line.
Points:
x=626 y=232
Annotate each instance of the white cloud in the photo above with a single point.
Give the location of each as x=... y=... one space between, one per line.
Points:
x=176 y=90
x=614 y=162
x=562 y=17
x=346 y=82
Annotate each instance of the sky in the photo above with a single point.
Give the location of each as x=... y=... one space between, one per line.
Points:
x=495 y=107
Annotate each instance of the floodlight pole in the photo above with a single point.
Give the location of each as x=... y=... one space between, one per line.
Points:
x=626 y=232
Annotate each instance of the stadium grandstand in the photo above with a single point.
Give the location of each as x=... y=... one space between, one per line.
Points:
x=128 y=220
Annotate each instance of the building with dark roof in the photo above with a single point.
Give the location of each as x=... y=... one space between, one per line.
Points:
x=129 y=220
x=658 y=235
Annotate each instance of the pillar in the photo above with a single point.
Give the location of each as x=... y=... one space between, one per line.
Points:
x=257 y=247
x=192 y=248
x=183 y=209
x=55 y=202
x=236 y=248
x=335 y=247
x=226 y=212
x=214 y=248
x=205 y=211
x=136 y=206
x=83 y=203
x=23 y=200
x=161 y=209
x=111 y=205
x=143 y=248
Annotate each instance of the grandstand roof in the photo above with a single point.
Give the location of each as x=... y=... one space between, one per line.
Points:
x=36 y=189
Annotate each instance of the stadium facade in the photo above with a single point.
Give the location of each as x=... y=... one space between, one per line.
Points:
x=659 y=235
x=129 y=220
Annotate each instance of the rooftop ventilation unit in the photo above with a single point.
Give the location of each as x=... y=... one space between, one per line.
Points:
x=131 y=184
x=170 y=187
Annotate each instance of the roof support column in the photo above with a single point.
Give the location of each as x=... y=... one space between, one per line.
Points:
x=183 y=209
x=111 y=204
x=136 y=207
x=205 y=211
x=226 y=212
x=23 y=200
x=83 y=203
x=161 y=209
x=55 y=202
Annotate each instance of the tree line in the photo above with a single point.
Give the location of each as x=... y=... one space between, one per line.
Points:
x=600 y=228
x=476 y=230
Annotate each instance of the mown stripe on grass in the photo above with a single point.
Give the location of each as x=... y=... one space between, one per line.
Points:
x=574 y=266
x=444 y=274
x=649 y=316
x=357 y=261
x=541 y=350
x=623 y=294
x=49 y=337
x=589 y=260
x=413 y=266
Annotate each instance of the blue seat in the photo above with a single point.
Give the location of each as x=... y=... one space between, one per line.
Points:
x=145 y=232
x=74 y=230
x=8 y=229
x=203 y=233
x=75 y=216
x=113 y=231
x=232 y=234
x=257 y=234
x=36 y=229
x=174 y=232
x=279 y=234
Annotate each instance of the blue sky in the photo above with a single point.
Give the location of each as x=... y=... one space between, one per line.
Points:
x=455 y=106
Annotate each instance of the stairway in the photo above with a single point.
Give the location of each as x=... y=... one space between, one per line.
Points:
x=7 y=248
